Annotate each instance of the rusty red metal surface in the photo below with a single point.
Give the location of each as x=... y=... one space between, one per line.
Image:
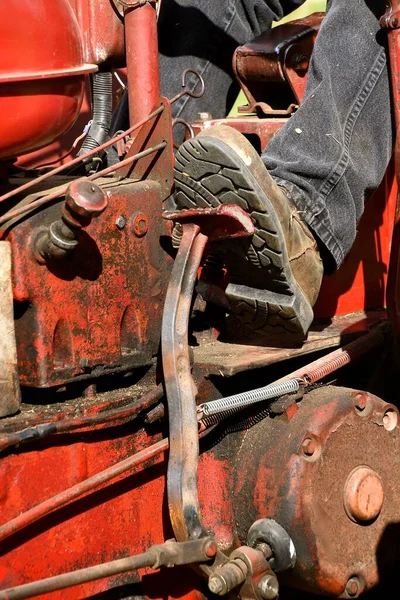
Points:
x=102 y=24
x=60 y=335
x=236 y=487
x=141 y=41
x=305 y=480
x=77 y=497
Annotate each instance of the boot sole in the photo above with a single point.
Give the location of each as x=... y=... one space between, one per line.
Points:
x=209 y=173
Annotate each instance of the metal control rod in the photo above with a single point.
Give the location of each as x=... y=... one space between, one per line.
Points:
x=169 y=554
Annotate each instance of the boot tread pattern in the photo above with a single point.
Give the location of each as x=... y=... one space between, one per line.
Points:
x=207 y=174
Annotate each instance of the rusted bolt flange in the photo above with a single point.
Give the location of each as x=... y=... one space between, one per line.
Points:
x=309 y=446
x=140 y=225
x=362 y=404
x=211 y=548
x=363 y=495
x=390 y=419
x=268 y=587
x=353 y=587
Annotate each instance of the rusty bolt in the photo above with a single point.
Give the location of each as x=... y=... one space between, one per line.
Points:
x=140 y=225
x=268 y=587
x=85 y=198
x=390 y=419
x=120 y=222
x=216 y=584
x=211 y=549
x=228 y=577
x=353 y=587
x=360 y=402
x=265 y=549
x=309 y=446
x=204 y=116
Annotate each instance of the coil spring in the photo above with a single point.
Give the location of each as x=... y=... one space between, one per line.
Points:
x=353 y=351
x=231 y=404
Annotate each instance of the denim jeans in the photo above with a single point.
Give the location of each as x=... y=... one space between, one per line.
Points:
x=333 y=153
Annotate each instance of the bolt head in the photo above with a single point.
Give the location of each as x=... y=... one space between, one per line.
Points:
x=216 y=584
x=268 y=587
x=120 y=222
x=361 y=402
x=204 y=116
x=211 y=549
x=140 y=225
x=390 y=419
x=353 y=587
x=309 y=446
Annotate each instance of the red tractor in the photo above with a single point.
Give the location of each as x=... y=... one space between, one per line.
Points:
x=142 y=427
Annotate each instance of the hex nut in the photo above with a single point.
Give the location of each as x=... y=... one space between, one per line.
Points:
x=140 y=225
x=120 y=222
x=216 y=584
x=268 y=587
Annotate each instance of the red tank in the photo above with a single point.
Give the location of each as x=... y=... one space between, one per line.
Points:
x=41 y=73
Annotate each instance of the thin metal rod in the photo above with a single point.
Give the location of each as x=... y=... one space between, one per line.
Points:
x=66 y=580
x=168 y=554
x=43 y=430
x=76 y=491
x=45 y=199
x=79 y=159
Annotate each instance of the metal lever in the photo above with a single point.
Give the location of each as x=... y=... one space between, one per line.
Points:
x=84 y=200
x=199 y=227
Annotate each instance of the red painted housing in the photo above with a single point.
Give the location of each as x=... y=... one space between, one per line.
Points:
x=41 y=73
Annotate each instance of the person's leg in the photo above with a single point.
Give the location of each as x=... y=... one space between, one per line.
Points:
x=335 y=150
x=329 y=157
x=203 y=35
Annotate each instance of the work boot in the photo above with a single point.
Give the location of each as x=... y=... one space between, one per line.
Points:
x=275 y=275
